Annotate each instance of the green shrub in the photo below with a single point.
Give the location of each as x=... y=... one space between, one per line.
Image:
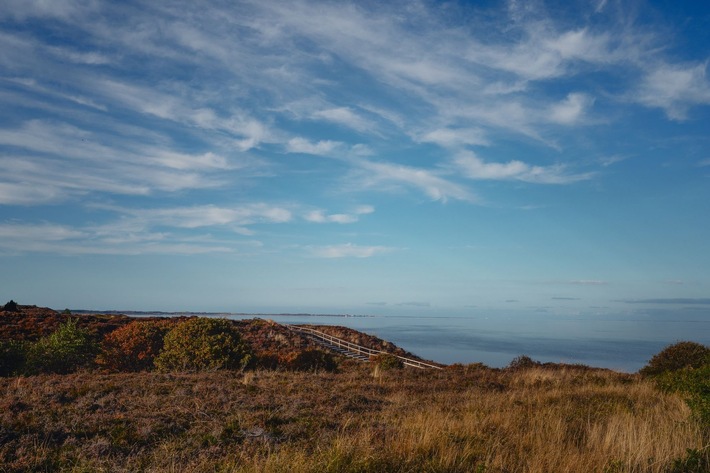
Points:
x=134 y=346
x=65 y=350
x=695 y=461
x=387 y=361
x=694 y=383
x=677 y=357
x=201 y=344
x=13 y=355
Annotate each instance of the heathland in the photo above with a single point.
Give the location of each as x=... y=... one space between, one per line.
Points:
x=114 y=393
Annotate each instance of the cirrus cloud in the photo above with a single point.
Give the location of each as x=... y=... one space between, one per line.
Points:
x=348 y=250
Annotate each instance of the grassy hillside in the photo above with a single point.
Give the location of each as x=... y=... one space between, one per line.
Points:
x=360 y=418
x=456 y=420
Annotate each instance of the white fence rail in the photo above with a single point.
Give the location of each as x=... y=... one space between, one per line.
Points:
x=352 y=347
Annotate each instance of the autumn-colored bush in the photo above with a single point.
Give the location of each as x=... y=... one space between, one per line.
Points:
x=202 y=344
x=309 y=360
x=677 y=357
x=133 y=347
x=67 y=349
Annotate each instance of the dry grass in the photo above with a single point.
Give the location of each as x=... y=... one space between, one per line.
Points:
x=534 y=420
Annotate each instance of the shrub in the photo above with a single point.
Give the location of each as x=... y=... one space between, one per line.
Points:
x=523 y=362
x=267 y=360
x=65 y=350
x=11 y=307
x=201 y=344
x=387 y=361
x=310 y=360
x=695 y=461
x=677 y=357
x=694 y=383
x=133 y=347
x=13 y=355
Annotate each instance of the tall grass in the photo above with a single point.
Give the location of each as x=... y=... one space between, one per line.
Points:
x=550 y=422
x=528 y=420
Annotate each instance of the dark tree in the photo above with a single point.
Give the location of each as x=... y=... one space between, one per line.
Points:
x=676 y=357
x=11 y=307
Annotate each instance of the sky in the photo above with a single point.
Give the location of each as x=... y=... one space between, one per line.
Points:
x=356 y=157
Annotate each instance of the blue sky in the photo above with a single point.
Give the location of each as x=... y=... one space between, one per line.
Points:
x=365 y=157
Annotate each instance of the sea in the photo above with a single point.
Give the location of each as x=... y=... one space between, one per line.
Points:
x=622 y=342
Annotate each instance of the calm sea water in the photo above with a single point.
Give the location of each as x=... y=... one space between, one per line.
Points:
x=620 y=342
x=623 y=342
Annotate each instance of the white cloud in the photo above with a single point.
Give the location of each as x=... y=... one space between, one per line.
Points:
x=543 y=53
x=247 y=131
x=62 y=160
x=60 y=239
x=175 y=160
x=607 y=161
x=344 y=116
x=38 y=232
x=79 y=56
x=251 y=74
x=236 y=217
x=23 y=193
x=570 y=110
x=34 y=86
x=436 y=187
x=675 y=89
x=600 y=6
x=319 y=148
x=320 y=216
x=455 y=137
x=364 y=209
x=348 y=250
x=210 y=215
x=63 y=9
x=474 y=167
x=584 y=45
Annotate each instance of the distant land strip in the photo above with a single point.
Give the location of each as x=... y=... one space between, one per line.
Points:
x=209 y=314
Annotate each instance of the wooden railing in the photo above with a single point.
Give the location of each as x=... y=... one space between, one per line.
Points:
x=352 y=347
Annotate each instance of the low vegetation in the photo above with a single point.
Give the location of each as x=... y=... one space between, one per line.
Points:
x=134 y=346
x=677 y=357
x=684 y=368
x=269 y=401
x=200 y=344
x=67 y=349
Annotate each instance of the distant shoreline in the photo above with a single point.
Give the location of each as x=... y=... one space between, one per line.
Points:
x=206 y=314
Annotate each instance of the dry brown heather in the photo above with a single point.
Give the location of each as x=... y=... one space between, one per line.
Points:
x=456 y=420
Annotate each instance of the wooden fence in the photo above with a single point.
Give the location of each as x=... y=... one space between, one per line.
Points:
x=357 y=349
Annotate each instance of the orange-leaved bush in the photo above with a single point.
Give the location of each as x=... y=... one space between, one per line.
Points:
x=202 y=344
x=134 y=346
